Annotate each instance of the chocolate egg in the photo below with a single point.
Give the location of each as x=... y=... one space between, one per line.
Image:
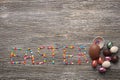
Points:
x=94 y=51
x=114 y=59
x=114 y=49
x=106 y=52
x=94 y=63
x=99 y=41
x=107 y=58
x=100 y=60
x=102 y=70
x=106 y=64
x=109 y=45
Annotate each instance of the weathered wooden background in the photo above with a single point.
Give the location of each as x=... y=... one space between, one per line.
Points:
x=31 y=23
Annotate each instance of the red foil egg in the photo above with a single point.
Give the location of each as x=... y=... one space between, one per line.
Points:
x=100 y=60
x=94 y=63
x=94 y=51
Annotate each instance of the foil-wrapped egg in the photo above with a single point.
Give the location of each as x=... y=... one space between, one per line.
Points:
x=109 y=45
x=94 y=63
x=114 y=59
x=100 y=60
x=102 y=70
x=107 y=58
x=106 y=52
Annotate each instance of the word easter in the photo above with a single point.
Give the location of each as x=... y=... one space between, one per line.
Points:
x=66 y=58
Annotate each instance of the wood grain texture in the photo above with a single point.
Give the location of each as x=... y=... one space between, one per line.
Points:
x=31 y=23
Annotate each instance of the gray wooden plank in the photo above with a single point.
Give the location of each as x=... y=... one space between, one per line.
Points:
x=31 y=23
